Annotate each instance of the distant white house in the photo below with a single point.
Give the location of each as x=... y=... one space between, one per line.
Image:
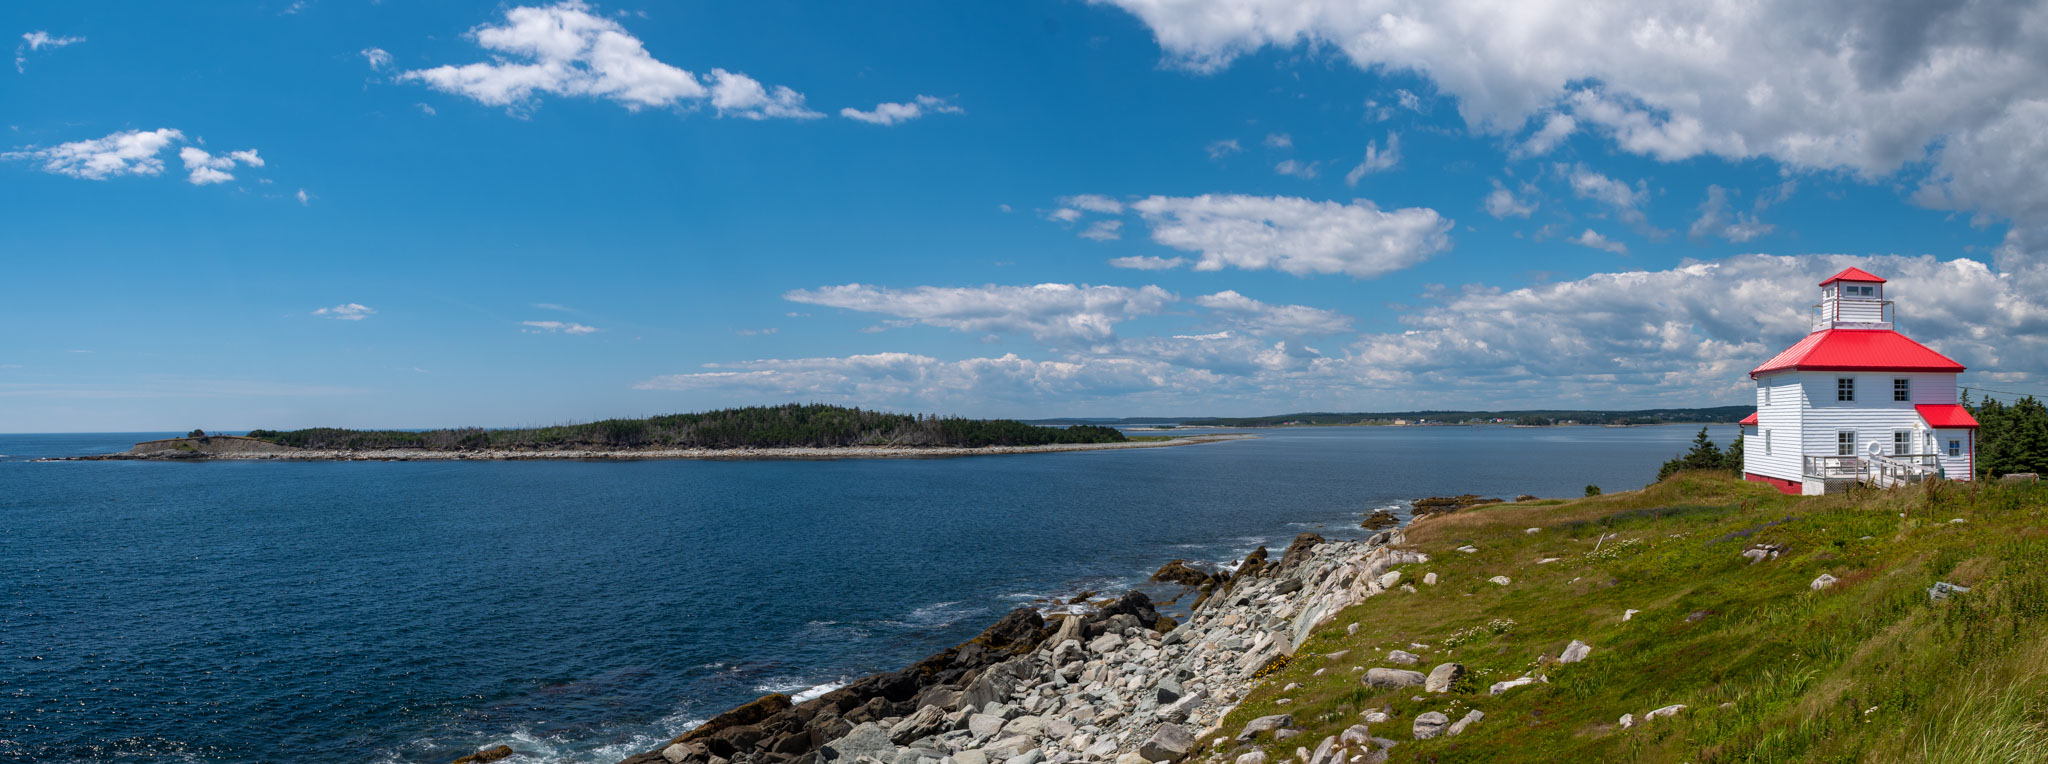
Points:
x=1856 y=401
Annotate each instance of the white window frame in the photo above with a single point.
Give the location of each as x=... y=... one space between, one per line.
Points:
x=1845 y=446
x=1902 y=389
x=1767 y=392
x=1845 y=386
x=1767 y=443
x=1902 y=438
x=1955 y=447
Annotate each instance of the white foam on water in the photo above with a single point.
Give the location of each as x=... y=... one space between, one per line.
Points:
x=816 y=692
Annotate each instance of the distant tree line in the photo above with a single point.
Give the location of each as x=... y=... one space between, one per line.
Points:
x=1704 y=455
x=792 y=425
x=2011 y=437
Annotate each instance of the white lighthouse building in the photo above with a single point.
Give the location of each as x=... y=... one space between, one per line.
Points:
x=1856 y=401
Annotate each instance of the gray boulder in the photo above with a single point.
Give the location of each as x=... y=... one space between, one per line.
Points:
x=1468 y=721
x=1027 y=726
x=1253 y=757
x=1443 y=676
x=1430 y=724
x=1393 y=679
x=1575 y=652
x=1170 y=742
x=1403 y=657
x=1265 y=724
x=866 y=739
x=984 y=726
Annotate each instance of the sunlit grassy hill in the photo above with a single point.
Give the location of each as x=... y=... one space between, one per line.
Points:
x=1768 y=668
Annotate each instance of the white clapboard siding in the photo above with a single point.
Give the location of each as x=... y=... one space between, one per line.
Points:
x=1874 y=416
x=1779 y=402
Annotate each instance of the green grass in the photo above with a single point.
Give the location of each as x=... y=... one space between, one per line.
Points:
x=1771 y=671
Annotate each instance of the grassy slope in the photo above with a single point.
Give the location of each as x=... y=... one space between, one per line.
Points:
x=1869 y=670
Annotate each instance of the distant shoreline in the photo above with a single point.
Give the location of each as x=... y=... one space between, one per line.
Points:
x=635 y=454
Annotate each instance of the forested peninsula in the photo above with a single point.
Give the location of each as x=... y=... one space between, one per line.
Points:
x=793 y=430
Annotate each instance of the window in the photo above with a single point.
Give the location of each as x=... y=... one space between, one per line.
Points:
x=1767 y=393
x=1902 y=442
x=1767 y=442
x=1845 y=443
x=1845 y=388
x=1955 y=448
x=1902 y=389
x=1859 y=291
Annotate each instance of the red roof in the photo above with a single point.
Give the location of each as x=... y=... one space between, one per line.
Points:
x=1852 y=274
x=1858 y=350
x=1748 y=421
x=1942 y=416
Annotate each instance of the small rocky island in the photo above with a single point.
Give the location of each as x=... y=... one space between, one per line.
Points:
x=788 y=431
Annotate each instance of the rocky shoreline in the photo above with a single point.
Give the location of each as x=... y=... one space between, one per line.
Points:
x=283 y=453
x=1121 y=684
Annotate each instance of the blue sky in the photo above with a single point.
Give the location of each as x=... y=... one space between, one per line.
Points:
x=501 y=214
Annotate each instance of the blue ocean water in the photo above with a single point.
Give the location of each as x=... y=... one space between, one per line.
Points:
x=582 y=611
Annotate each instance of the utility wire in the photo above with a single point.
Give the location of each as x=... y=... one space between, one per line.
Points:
x=2004 y=392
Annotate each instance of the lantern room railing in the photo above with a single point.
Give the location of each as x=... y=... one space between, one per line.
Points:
x=1852 y=314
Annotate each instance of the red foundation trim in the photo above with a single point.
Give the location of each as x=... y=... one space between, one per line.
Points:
x=1783 y=485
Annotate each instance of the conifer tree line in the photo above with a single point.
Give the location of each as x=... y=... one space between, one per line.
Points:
x=1704 y=455
x=2011 y=437
x=791 y=425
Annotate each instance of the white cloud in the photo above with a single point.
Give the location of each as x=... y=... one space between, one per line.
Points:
x=1295 y=235
x=207 y=169
x=131 y=152
x=554 y=306
x=1865 y=87
x=1375 y=159
x=425 y=109
x=1296 y=168
x=906 y=378
x=38 y=40
x=553 y=327
x=1279 y=141
x=377 y=57
x=1148 y=262
x=565 y=50
x=1047 y=312
x=1104 y=230
x=1223 y=148
x=348 y=311
x=1623 y=199
x=1502 y=203
x=1555 y=129
x=1593 y=239
x=1093 y=203
x=738 y=95
x=305 y=199
x=1264 y=318
x=1716 y=219
x=895 y=113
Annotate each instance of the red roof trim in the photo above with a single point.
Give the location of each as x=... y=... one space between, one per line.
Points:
x=1858 y=350
x=1946 y=416
x=1748 y=421
x=1852 y=274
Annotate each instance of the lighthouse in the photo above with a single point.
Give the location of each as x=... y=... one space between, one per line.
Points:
x=1856 y=402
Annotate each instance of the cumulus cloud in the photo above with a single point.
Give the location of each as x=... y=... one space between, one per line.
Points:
x=305 y=199
x=565 y=50
x=738 y=95
x=130 y=152
x=1093 y=203
x=348 y=311
x=895 y=113
x=1046 y=312
x=1104 y=230
x=1555 y=129
x=1295 y=235
x=1717 y=219
x=1279 y=141
x=1258 y=317
x=207 y=169
x=1593 y=239
x=1148 y=262
x=1623 y=199
x=1502 y=203
x=1222 y=148
x=912 y=379
x=1864 y=87
x=557 y=327
x=38 y=40
x=378 y=58
x=1375 y=159
x=1296 y=168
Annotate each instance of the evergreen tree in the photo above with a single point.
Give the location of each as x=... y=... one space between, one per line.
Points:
x=2027 y=430
x=1732 y=459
